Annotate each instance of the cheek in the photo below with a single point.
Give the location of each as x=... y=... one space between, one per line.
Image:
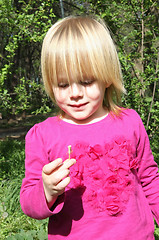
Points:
x=60 y=95
x=94 y=93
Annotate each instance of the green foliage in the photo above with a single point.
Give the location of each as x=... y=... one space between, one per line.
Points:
x=134 y=28
x=5 y=103
x=29 y=235
x=14 y=224
x=11 y=159
x=23 y=26
x=22 y=97
x=156 y=232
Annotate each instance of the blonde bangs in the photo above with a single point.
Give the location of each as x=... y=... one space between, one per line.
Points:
x=74 y=53
x=78 y=48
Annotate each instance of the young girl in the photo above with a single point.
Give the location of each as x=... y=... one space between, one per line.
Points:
x=90 y=169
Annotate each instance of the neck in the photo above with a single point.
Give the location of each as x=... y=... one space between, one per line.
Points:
x=89 y=120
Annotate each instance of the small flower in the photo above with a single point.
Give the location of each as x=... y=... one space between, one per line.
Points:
x=69 y=151
x=5 y=215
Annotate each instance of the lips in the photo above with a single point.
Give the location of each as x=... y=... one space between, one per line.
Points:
x=78 y=106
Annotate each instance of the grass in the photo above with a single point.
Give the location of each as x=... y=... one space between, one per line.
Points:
x=14 y=225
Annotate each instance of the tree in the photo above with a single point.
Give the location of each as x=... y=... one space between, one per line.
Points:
x=23 y=26
x=134 y=28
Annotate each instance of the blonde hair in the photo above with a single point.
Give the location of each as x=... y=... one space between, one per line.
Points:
x=82 y=45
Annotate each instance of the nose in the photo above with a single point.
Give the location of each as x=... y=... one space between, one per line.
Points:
x=76 y=90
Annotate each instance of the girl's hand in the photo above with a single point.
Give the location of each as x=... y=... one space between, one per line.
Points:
x=55 y=177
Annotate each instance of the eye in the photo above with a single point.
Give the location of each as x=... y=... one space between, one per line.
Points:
x=87 y=82
x=63 y=85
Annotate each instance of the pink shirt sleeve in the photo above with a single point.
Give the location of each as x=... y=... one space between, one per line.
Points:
x=32 y=197
x=148 y=172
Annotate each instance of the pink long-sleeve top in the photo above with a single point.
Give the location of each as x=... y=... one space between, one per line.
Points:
x=114 y=188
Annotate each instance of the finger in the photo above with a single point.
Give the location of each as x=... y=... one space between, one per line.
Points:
x=50 y=167
x=61 y=185
x=59 y=176
x=68 y=163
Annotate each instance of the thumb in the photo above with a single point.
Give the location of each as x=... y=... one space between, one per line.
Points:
x=50 y=167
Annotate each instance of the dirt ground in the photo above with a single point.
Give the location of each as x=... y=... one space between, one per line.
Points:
x=14 y=132
x=17 y=128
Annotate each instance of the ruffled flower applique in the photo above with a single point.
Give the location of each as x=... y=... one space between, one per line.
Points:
x=105 y=174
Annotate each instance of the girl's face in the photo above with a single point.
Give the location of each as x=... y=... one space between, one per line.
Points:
x=81 y=101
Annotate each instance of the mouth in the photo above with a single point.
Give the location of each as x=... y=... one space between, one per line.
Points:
x=78 y=106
